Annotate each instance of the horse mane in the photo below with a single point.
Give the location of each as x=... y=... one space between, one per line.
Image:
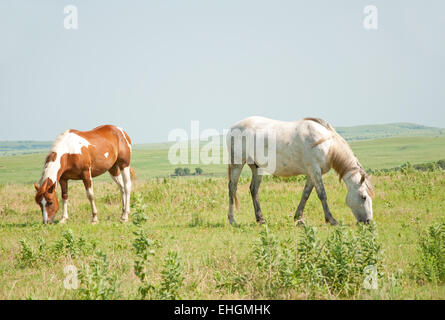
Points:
x=52 y=155
x=58 y=141
x=341 y=157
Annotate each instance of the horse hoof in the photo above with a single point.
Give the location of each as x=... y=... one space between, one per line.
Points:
x=124 y=220
x=332 y=221
x=299 y=222
x=261 y=221
x=232 y=222
x=95 y=222
x=63 y=220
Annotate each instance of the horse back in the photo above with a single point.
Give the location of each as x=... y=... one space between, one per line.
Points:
x=296 y=148
x=109 y=145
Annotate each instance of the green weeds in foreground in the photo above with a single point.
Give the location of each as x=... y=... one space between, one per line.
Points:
x=171 y=275
x=216 y=261
x=68 y=245
x=348 y=262
x=431 y=251
x=97 y=282
x=339 y=266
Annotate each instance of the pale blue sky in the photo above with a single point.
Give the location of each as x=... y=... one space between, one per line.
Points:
x=152 y=66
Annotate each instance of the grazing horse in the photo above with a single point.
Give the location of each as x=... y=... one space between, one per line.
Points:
x=82 y=155
x=310 y=146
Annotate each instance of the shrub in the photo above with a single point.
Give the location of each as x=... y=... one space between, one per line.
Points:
x=97 y=282
x=144 y=251
x=340 y=263
x=68 y=244
x=347 y=258
x=431 y=265
x=171 y=276
x=186 y=171
x=29 y=256
x=231 y=282
x=266 y=256
x=337 y=266
x=139 y=208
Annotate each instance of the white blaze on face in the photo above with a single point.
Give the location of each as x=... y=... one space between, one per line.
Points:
x=67 y=143
x=125 y=137
x=44 y=213
x=106 y=155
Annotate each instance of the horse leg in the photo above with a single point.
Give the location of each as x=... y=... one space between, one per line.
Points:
x=318 y=181
x=64 y=188
x=254 y=188
x=309 y=186
x=126 y=178
x=88 y=183
x=116 y=175
x=234 y=173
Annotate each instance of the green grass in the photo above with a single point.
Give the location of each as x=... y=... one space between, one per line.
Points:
x=189 y=216
x=392 y=152
x=363 y=132
x=149 y=161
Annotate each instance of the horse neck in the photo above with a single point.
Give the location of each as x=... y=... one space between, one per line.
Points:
x=350 y=179
x=53 y=170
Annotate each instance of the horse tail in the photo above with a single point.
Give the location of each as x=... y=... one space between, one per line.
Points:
x=237 y=205
x=132 y=174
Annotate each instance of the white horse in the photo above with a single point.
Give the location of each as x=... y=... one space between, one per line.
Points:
x=310 y=146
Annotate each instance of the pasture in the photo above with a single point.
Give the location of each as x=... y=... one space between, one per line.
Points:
x=151 y=161
x=185 y=247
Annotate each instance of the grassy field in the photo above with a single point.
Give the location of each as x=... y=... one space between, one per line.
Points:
x=150 y=161
x=190 y=250
x=188 y=216
x=354 y=133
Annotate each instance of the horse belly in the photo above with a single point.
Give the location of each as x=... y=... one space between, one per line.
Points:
x=102 y=160
x=288 y=169
x=288 y=162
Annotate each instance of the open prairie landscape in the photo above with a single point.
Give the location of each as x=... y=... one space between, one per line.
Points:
x=178 y=243
x=137 y=138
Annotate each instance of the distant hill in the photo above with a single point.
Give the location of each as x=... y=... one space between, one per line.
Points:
x=390 y=130
x=9 y=148
x=355 y=133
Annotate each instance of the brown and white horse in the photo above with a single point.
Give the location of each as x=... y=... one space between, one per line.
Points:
x=82 y=155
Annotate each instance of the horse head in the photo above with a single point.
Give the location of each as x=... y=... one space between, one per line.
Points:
x=360 y=195
x=46 y=198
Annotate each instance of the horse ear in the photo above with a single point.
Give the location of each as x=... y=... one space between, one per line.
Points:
x=363 y=178
x=36 y=186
